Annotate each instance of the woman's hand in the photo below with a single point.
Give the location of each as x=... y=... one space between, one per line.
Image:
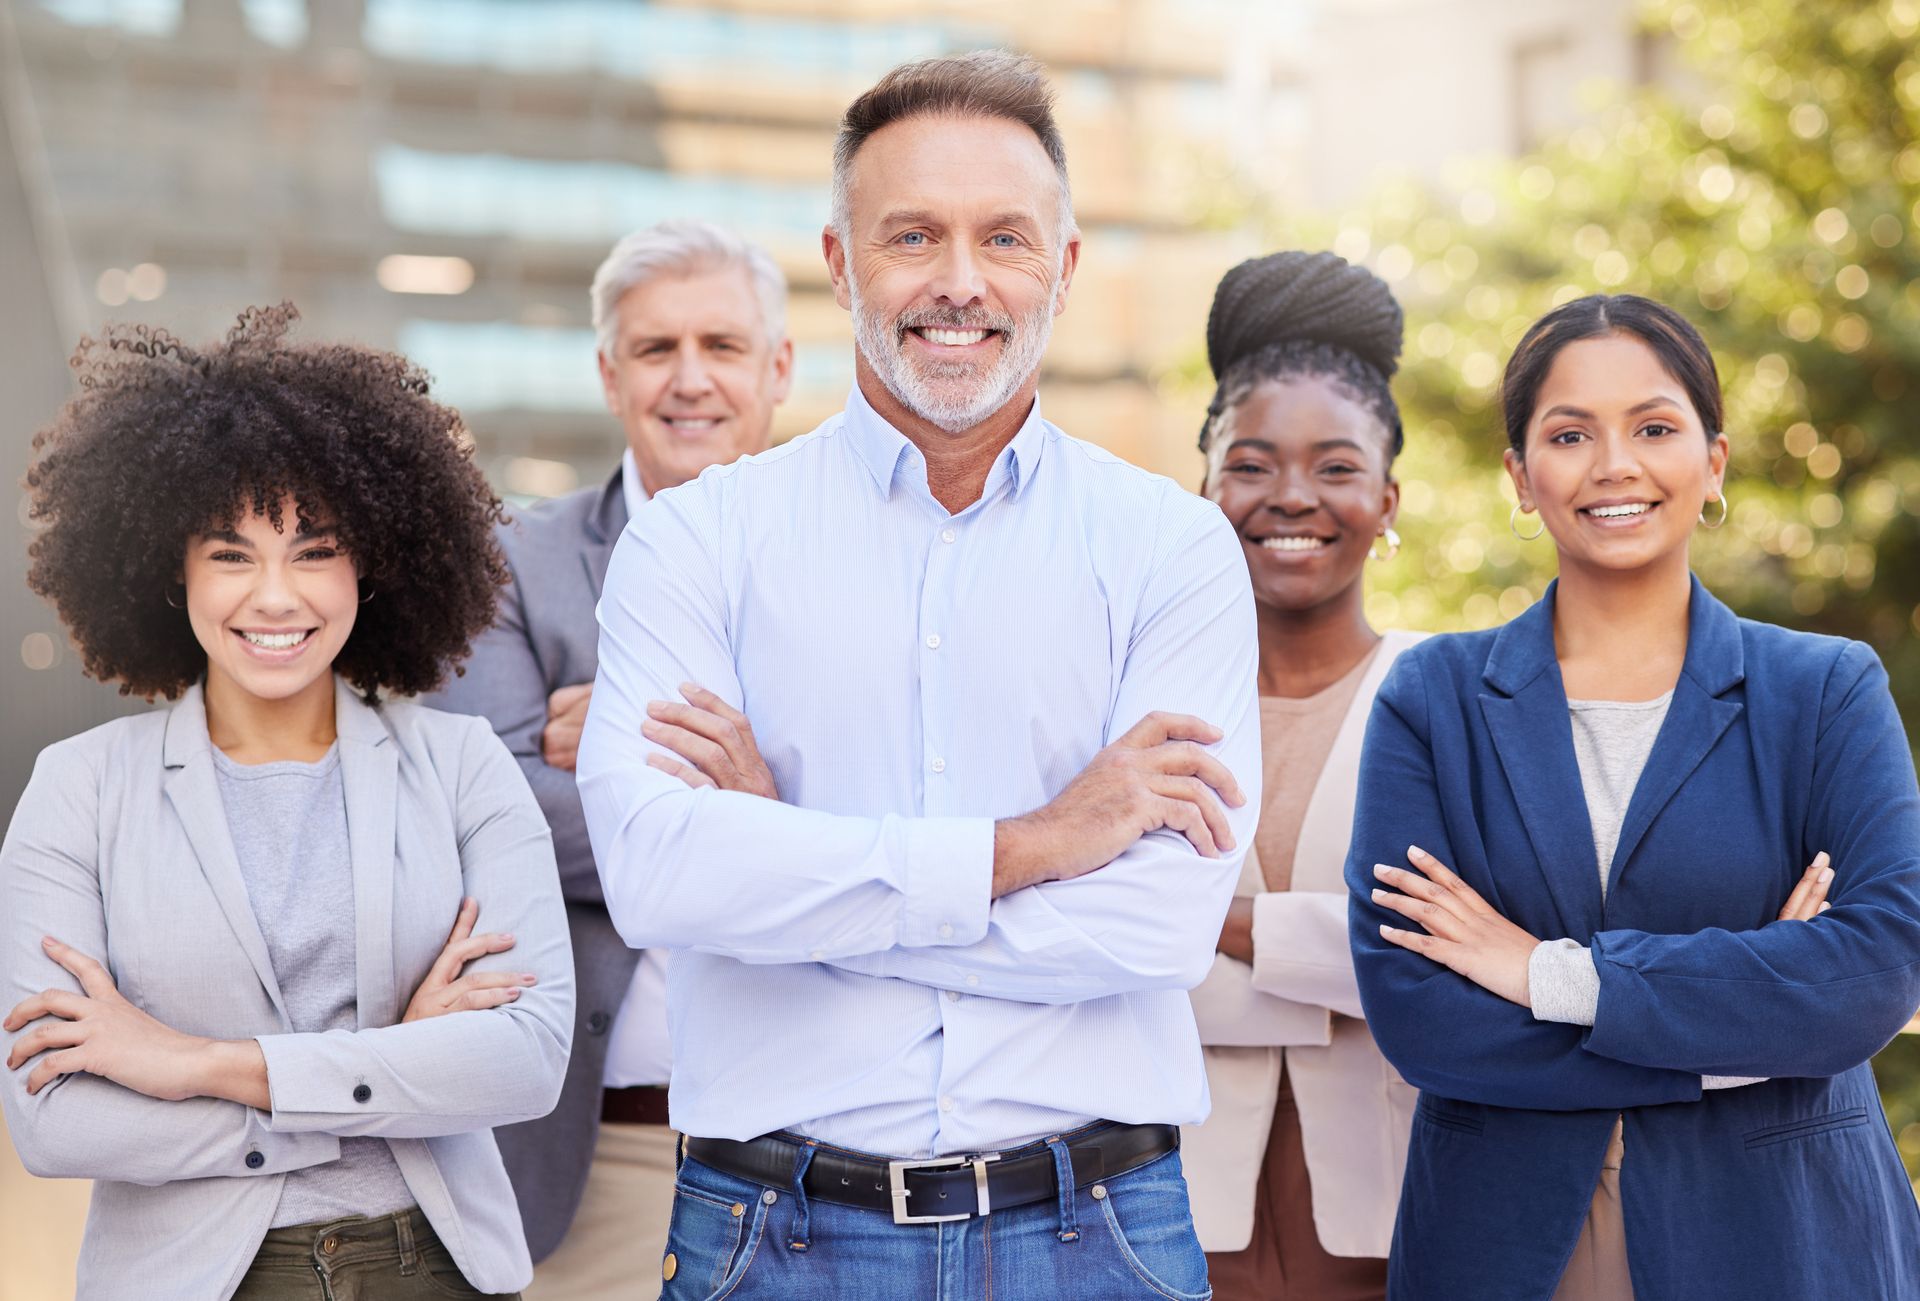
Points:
x=99 y=1032
x=1463 y=932
x=713 y=737
x=446 y=990
x=1809 y=898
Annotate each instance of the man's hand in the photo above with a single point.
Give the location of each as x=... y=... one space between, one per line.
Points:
x=1156 y=775
x=99 y=1032
x=714 y=738
x=446 y=990
x=566 y=718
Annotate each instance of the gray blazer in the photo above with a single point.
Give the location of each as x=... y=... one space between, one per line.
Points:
x=120 y=847
x=546 y=637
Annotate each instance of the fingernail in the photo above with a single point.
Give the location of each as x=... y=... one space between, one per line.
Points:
x=527 y=978
x=1826 y=875
x=1380 y=870
x=48 y=942
x=1414 y=851
x=512 y=994
x=1387 y=930
x=1378 y=895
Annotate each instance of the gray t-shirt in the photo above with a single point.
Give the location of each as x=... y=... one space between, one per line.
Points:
x=289 y=826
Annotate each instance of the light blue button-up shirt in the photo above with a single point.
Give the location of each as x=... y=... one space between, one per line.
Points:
x=912 y=676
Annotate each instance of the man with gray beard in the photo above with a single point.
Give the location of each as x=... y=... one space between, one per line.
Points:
x=939 y=902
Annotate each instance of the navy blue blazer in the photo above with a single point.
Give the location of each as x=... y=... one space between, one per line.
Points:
x=1777 y=745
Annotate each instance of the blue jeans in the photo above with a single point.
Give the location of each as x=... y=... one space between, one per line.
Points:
x=1130 y=1236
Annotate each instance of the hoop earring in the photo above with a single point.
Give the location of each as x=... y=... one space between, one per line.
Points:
x=167 y=596
x=1513 y=522
x=369 y=595
x=1393 y=544
x=1722 y=499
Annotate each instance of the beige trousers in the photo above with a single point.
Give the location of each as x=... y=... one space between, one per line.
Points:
x=1598 y=1270
x=618 y=1236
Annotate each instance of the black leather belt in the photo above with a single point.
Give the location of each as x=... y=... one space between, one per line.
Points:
x=943 y=1188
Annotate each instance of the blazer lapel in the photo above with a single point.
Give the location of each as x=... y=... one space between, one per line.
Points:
x=369 y=773
x=194 y=791
x=1326 y=829
x=1695 y=722
x=604 y=524
x=1527 y=721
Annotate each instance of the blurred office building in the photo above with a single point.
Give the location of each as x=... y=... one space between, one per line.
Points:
x=442 y=177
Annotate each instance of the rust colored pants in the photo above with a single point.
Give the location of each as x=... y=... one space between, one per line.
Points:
x=1285 y=1261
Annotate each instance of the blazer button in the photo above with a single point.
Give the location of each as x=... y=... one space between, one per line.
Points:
x=361 y=1093
x=597 y=1022
x=255 y=1160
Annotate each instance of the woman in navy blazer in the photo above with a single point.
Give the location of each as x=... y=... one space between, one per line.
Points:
x=1729 y=1017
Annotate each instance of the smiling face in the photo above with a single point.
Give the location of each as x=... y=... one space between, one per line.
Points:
x=1304 y=481
x=693 y=377
x=271 y=607
x=1617 y=460
x=953 y=263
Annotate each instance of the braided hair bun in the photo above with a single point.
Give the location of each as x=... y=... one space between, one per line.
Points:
x=1296 y=315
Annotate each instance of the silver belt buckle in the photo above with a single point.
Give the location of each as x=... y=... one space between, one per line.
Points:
x=897 y=1186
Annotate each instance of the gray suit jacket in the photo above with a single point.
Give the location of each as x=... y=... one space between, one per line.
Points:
x=120 y=847
x=546 y=637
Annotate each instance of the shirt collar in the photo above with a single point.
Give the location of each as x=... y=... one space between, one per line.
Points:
x=883 y=449
x=631 y=488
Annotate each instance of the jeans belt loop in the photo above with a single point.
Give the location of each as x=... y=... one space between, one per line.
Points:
x=801 y=1227
x=1063 y=1177
x=403 y=1229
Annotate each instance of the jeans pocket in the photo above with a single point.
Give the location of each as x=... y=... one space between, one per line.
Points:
x=1807 y=1128
x=1151 y=1221
x=710 y=1242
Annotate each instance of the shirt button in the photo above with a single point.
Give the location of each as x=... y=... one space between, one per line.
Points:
x=361 y=1093
x=255 y=1160
x=946 y=930
x=597 y=1023
x=973 y=980
x=946 y=1104
x=946 y=535
x=818 y=955
x=939 y=765
x=933 y=641
x=953 y=996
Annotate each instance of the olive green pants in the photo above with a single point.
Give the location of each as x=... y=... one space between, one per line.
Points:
x=393 y=1258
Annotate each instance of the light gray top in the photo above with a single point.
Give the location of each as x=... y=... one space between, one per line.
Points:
x=1611 y=741
x=289 y=827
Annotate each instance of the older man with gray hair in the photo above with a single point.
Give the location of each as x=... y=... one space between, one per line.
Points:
x=693 y=357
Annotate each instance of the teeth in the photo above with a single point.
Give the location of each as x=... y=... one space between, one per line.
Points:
x=1293 y=544
x=692 y=422
x=275 y=640
x=956 y=338
x=1616 y=512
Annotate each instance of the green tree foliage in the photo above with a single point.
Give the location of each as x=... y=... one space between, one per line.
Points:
x=1770 y=190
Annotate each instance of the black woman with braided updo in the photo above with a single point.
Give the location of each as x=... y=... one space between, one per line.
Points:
x=1295 y=1177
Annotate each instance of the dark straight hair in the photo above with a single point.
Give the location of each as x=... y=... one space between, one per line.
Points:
x=1673 y=339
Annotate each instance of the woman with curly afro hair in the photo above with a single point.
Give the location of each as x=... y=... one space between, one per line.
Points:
x=236 y=1003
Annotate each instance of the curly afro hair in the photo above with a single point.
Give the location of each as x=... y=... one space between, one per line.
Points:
x=165 y=442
